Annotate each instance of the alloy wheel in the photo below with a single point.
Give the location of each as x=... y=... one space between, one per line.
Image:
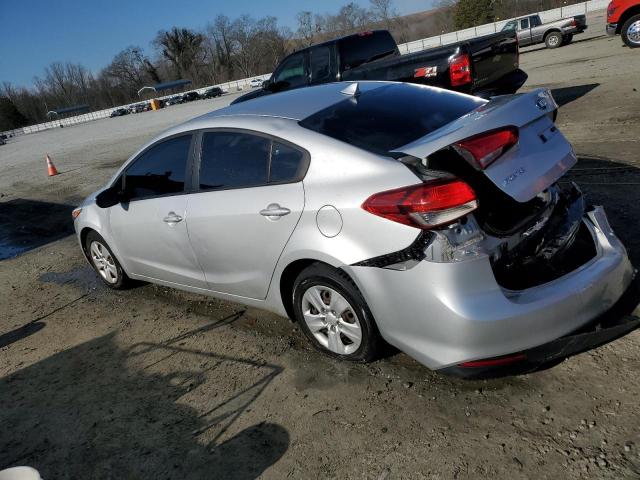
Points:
x=331 y=320
x=104 y=262
x=633 y=32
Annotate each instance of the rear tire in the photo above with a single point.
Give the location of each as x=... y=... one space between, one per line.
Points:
x=553 y=40
x=334 y=316
x=105 y=263
x=631 y=32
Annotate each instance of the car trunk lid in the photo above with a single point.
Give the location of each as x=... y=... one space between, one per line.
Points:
x=541 y=156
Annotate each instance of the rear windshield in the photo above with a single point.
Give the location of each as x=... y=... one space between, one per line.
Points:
x=365 y=47
x=388 y=117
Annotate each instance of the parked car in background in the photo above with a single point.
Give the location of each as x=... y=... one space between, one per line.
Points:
x=484 y=66
x=531 y=30
x=173 y=100
x=623 y=18
x=256 y=83
x=138 y=107
x=2 y=140
x=190 y=96
x=118 y=112
x=376 y=210
x=212 y=92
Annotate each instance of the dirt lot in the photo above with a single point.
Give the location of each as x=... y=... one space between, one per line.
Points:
x=155 y=383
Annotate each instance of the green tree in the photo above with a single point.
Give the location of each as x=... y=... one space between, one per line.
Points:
x=10 y=116
x=469 y=13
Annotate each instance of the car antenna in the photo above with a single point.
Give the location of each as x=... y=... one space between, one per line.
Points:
x=352 y=90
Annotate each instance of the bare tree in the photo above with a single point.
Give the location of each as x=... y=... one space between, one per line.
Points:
x=183 y=48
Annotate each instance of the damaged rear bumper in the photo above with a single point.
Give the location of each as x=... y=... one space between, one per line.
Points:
x=446 y=314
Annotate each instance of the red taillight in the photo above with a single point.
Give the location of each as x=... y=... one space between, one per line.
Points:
x=611 y=9
x=574 y=23
x=460 y=70
x=494 y=362
x=484 y=149
x=426 y=205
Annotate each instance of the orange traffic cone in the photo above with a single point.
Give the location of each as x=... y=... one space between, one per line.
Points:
x=51 y=167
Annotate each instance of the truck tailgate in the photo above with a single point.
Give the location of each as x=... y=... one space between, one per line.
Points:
x=541 y=156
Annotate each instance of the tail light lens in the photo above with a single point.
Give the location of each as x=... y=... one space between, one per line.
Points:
x=574 y=23
x=611 y=9
x=484 y=149
x=460 y=70
x=426 y=205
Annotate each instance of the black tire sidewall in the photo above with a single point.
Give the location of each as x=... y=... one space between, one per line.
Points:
x=623 y=32
x=326 y=276
x=122 y=276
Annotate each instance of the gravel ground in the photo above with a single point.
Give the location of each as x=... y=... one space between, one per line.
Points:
x=156 y=383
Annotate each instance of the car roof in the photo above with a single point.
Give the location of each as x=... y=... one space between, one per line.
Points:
x=294 y=104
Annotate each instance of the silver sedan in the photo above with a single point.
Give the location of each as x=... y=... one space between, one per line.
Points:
x=371 y=212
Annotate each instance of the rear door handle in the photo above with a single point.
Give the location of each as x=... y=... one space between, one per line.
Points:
x=275 y=210
x=172 y=217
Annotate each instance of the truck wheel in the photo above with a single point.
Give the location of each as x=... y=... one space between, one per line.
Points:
x=567 y=39
x=553 y=40
x=631 y=32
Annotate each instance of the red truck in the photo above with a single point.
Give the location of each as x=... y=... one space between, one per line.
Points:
x=623 y=18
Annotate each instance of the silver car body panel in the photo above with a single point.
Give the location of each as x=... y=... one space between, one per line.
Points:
x=441 y=313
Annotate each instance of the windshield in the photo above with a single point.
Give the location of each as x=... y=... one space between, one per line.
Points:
x=388 y=117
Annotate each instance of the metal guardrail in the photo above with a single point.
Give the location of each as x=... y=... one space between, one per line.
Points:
x=411 y=47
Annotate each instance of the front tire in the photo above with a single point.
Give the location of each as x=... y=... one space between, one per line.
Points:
x=631 y=32
x=105 y=263
x=553 y=40
x=334 y=316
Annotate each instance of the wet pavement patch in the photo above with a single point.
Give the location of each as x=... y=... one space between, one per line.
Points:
x=27 y=224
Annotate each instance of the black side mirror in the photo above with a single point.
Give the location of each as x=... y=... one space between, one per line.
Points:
x=111 y=196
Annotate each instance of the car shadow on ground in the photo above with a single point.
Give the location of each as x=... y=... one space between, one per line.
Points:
x=28 y=224
x=100 y=411
x=567 y=95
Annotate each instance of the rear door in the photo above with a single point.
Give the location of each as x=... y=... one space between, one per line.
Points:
x=537 y=31
x=249 y=201
x=150 y=230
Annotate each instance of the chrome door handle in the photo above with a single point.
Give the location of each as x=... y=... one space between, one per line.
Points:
x=172 y=217
x=275 y=210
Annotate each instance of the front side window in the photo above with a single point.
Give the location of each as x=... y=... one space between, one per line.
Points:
x=291 y=73
x=524 y=24
x=510 y=26
x=160 y=170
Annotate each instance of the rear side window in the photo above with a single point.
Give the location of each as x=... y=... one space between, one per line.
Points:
x=238 y=159
x=535 y=21
x=366 y=47
x=320 y=64
x=388 y=117
x=233 y=160
x=287 y=164
x=161 y=170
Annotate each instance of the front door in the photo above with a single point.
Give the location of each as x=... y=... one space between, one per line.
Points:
x=251 y=197
x=149 y=230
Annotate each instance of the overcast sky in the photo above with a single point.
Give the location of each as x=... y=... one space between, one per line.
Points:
x=34 y=33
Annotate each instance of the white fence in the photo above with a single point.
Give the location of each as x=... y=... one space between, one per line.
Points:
x=546 y=16
x=415 y=46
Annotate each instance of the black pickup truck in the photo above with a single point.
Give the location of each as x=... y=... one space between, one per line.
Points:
x=483 y=66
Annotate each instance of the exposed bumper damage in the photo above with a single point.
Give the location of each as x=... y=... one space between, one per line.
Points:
x=472 y=297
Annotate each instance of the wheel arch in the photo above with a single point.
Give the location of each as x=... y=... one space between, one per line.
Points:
x=289 y=275
x=549 y=32
x=626 y=15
